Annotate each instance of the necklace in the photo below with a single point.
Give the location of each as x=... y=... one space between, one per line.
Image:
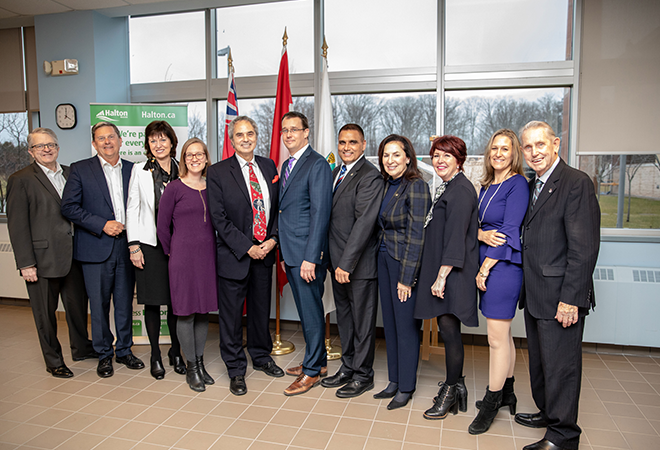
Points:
x=490 y=199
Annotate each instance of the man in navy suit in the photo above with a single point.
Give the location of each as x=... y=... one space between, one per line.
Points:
x=94 y=199
x=243 y=193
x=304 y=216
x=561 y=237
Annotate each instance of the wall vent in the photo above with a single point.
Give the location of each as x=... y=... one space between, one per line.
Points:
x=604 y=274
x=646 y=276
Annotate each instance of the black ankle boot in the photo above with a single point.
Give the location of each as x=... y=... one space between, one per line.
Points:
x=462 y=392
x=205 y=375
x=177 y=362
x=444 y=403
x=194 y=377
x=508 y=396
x=489 y=407
x=157 y=369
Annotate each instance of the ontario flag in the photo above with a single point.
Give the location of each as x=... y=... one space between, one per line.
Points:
x=231 y=114
x=278 y=153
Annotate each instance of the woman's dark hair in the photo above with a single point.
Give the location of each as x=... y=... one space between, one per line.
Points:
x=156 y=128
x=453 y=145
x=412 y=171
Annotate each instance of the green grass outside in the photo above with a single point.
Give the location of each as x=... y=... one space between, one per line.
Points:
x=644 y=212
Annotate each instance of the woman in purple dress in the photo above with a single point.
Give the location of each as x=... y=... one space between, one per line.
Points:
x=502 y=204
x=186 y=232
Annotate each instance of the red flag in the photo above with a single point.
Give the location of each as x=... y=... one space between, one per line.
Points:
x=278 y=153
x=231 y=114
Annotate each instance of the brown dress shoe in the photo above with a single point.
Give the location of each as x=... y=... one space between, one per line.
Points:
x=297 y=370
x=302 y=384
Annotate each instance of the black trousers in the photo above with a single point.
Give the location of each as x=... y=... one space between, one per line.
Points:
x=357 y=305
x=44 y=296
x=255 y=289
x=555 y=368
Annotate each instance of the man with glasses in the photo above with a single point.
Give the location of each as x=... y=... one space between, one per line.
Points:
x=304 y=217
x=43 y=248
x=94 y=200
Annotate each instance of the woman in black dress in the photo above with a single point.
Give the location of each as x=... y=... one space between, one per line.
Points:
x=401 y=221
x=148 y=181
x=450 y=261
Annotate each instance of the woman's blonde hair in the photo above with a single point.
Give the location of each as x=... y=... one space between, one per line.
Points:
x=183 y=169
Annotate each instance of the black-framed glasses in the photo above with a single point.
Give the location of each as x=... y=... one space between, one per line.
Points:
x=50 y=145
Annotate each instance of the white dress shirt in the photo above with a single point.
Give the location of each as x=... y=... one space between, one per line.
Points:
x=116 y=187
x=265 y=193
x=348 y=170
x=55 y=177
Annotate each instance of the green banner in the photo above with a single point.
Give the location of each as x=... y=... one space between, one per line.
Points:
x=139 y=115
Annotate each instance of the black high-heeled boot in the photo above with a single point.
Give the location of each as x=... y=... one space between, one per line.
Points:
x=462 y=392
x=508 y=396
x=205 y=375
x=177 y=362
x=194 y=377
x=489 y=407
x=444 y=403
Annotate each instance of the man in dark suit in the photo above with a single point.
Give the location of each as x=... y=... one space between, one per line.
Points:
x=243 y=193
x=43 y=248
x=358 y=187
x=304 y=215
x=561 y=237
x=94 y=200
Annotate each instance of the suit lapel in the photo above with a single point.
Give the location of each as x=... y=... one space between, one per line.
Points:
x=399 y=191
x=43 y=179
x=237 y=173
x=347 y=179
x=264 y=171
x=296 y=169
x=126 y=170
x=549 y=189
x=99 y=175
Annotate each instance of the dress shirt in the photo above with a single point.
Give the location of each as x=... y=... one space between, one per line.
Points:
x=546 y=175
x=116 y=187
x=348 y=170
x=56 y=177
x=265 y=192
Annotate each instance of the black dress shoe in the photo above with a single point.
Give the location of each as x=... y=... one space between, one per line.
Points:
x=271 y=369
x=543 y=444
x=92 y=355
x=400 y=400
x=535 y=420
x=354 y=388
x=237 y=385
x=389 y=392
x=177 y=362
x=104 y=369
x=157 y=369
x=131 y=361
x=60 y=372
x=337 y=380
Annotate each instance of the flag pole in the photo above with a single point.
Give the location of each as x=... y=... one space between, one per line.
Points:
x=280 y=347
x=333 y=351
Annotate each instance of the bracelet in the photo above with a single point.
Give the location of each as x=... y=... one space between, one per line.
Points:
x=483 y=275
x=137 y=250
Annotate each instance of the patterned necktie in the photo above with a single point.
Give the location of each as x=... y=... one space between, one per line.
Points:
x=537 y=190
x=342 y=174
x=287 y=171
x=258 y=211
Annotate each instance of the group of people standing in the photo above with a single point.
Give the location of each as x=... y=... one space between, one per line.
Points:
x=199 y=238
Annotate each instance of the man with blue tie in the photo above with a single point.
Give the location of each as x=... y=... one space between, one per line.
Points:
x=304 y=216
x=94 y=199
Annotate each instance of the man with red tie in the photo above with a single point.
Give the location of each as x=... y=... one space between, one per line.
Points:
x=243 y=196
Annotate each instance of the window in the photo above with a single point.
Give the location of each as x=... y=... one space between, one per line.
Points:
x=13 y=150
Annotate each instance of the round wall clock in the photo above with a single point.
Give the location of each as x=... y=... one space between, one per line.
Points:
x=65 y=116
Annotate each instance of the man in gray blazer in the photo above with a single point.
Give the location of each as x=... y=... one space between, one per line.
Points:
x=561 y=237
x=43 y=248
x=357 y=187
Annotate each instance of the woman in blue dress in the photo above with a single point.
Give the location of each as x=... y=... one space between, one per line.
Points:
x=502 y=205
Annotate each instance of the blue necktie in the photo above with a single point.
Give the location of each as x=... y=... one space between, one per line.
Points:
x=287 y=171
x=342 y=174
x=537 y=190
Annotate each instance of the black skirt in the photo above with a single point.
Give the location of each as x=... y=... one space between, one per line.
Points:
x=153 y=282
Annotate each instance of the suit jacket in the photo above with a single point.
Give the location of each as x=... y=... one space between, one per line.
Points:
x=141 y=207
x=86 y=202
x=39 y=234
x=402 y=224
x=304 y=211
x=561 y=238
x=230 y=205
x=355 y=204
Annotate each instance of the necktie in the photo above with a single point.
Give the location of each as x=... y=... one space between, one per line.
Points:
x=258 y=211
x=342 y=174
x=537 y=190
x=287 y=171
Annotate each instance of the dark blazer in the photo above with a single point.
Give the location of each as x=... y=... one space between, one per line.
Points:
x=355 y=206
x=561 y=238
x=403 y=226
x=39 y=235
x=230 y=205
x=304 y=211
x=86 y=202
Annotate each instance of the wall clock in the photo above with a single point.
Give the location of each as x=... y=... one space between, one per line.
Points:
x=65 y=116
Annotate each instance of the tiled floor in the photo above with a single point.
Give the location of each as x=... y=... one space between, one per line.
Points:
x=620 y=405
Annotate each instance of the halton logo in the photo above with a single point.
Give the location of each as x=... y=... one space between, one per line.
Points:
x=111 y=115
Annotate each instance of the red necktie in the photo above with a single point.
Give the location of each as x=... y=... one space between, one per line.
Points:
x=258 y=210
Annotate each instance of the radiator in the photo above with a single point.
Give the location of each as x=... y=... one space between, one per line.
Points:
x=11 y=282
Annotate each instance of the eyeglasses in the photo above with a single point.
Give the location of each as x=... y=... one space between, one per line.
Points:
x=191 y=156
x=50 y=145
x=102 y=139
x=290 y=130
